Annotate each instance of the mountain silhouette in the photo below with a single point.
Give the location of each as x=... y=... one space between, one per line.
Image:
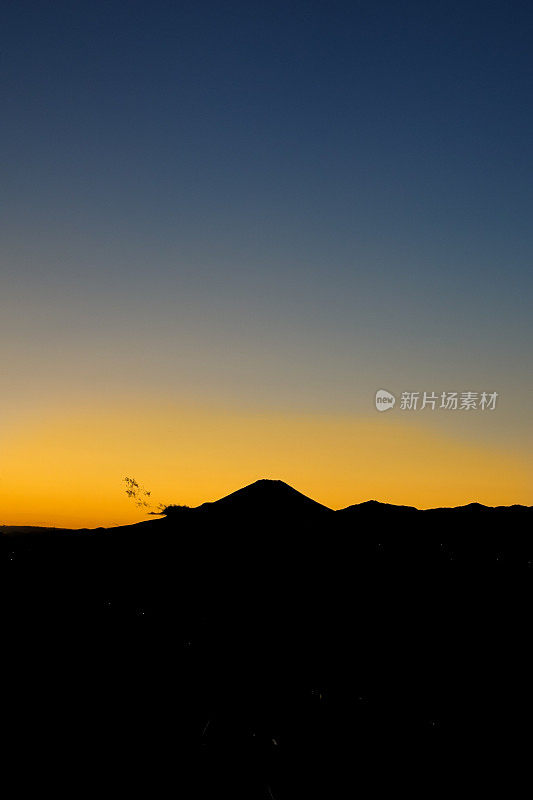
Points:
x=468 y=507
x=480 y=507
x=275 y=497
x=265 y=497
x=375 y=505
x=285 y=625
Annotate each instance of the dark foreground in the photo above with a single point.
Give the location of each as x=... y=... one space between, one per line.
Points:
x=328 y=656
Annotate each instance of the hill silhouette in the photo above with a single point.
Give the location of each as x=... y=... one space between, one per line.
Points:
x=481 y=508
x=375 y=505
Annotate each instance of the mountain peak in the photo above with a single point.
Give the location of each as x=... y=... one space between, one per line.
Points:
x=266 y=496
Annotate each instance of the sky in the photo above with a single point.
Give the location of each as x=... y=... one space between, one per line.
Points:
x=225 y=226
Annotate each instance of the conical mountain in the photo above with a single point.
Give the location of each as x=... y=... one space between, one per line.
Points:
x=265 y=497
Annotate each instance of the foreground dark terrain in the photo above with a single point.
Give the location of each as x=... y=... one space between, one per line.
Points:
x=259 y=654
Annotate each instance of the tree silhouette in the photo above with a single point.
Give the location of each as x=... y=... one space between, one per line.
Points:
x=137 y=493
x=140 y=496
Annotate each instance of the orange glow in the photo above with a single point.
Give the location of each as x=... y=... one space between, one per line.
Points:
x=67 y=468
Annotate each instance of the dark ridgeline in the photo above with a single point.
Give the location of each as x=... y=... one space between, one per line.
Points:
x=265 y=496
x=274 y=497
x=269 y=647
x=375 y=505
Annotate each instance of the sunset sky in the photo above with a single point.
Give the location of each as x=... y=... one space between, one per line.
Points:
x=225 y=225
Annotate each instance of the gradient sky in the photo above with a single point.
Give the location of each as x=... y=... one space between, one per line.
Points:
x=225 y=225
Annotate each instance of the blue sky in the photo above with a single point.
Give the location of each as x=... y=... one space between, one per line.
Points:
x=280 y=205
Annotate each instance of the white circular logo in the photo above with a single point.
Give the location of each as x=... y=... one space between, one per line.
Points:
x=384 y=400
